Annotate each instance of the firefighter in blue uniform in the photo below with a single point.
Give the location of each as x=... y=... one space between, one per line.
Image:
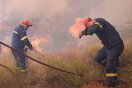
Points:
x=19 y=41
x=108 y=56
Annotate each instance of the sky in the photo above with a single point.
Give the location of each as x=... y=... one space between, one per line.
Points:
x=52 y=19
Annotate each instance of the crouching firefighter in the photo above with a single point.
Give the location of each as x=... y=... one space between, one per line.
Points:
x=19 y=41
x=108 y=56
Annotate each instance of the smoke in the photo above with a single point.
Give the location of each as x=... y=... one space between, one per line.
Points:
x=55 y=17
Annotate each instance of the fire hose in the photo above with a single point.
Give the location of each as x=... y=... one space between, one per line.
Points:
x=40 y=61
x=11 y=73
x=38 y=53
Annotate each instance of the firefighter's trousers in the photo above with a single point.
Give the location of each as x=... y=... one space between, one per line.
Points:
x=20 y=59
x=110 y=59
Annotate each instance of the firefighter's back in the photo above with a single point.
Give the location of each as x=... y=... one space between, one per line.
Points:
x=16 y=38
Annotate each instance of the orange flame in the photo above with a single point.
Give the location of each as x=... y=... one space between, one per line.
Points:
x=77 y=27
x=36 y=41
x=0 y=21
x=1 y=26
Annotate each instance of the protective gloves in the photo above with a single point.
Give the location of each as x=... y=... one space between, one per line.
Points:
x=84 y=32
x=31 y=48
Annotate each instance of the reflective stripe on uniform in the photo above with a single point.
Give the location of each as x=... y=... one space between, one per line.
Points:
x=15 y=32
x=111 y=74
x=103 y=61
x=23 y=38
x=99 y=25
x=23 y=70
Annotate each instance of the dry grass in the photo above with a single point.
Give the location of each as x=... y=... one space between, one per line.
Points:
x=79 y=60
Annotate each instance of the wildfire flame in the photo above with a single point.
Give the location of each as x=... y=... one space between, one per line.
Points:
x=36 y=41
x=0 y=21
x=1 y=26
x=77 y=27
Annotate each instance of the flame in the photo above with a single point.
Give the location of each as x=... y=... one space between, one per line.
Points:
x=1 y=26
x=77 y=27
x=0 y=21
x=36 y=41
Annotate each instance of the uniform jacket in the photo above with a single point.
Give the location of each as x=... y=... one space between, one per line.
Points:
x=105 y=32
x=20 y=39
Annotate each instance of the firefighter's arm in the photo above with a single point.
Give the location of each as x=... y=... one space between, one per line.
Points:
x=84 y=32
x=25 y=40
x=96 y=27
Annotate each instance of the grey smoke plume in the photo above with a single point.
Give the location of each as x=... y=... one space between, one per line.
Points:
x=55 y=17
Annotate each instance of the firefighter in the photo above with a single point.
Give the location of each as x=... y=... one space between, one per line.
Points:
x=19 y=41
x=113 y=46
